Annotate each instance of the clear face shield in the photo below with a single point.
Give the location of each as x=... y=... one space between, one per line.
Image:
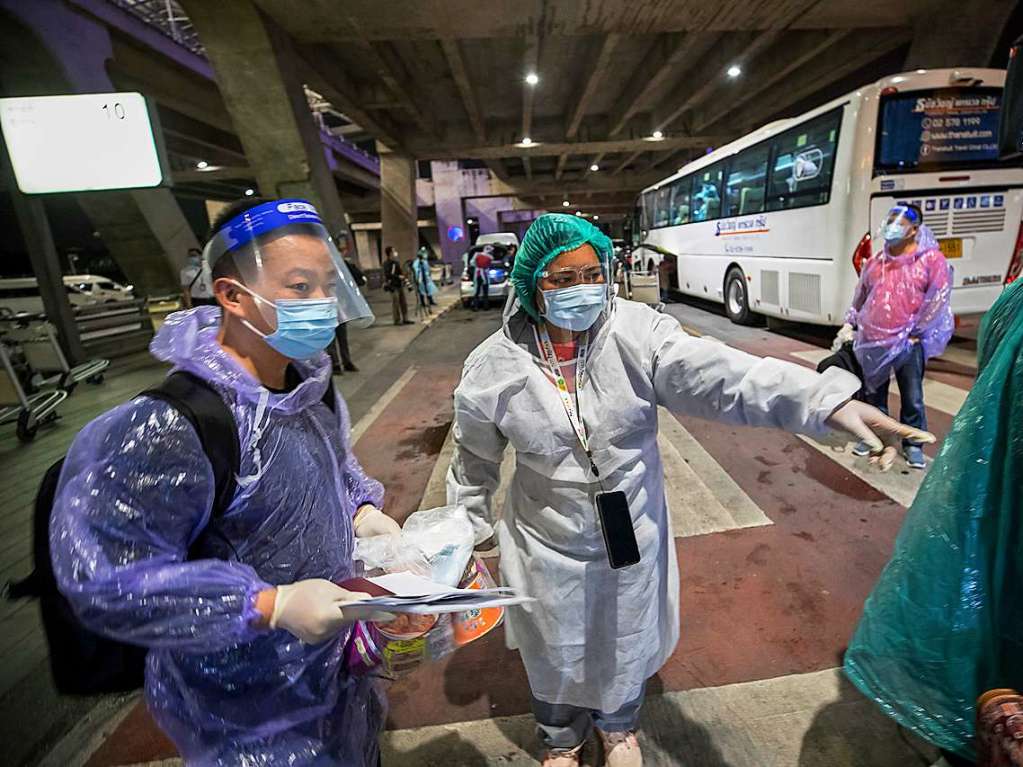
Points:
x=899 y=224
x=284 y=257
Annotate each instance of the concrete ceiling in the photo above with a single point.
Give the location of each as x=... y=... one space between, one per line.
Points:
x=444 y=79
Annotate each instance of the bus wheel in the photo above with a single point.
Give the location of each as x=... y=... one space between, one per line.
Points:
x=737 y=299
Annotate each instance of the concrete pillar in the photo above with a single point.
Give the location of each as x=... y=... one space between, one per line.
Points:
x=51 y=49
x=366 y=247
x=447 y=198
x=958 y=33
x=398 y=212
x=258 y=76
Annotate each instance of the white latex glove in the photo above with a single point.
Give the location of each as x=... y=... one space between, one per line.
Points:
x=845 y=334
x=884 y=435
x=313 y=610
x=370 y=521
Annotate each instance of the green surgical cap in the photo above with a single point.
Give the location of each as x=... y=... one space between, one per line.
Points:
x=547 y=238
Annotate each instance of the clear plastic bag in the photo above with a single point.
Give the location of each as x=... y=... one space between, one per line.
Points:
x=436 y=544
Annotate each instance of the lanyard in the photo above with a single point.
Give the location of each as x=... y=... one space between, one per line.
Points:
x=543 y=342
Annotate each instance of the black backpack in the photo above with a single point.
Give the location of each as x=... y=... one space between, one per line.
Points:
x=86 y=663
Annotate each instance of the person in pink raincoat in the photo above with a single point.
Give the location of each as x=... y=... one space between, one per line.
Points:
x=901 y=316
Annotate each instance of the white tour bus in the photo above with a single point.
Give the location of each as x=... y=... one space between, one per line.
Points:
x=778 y=222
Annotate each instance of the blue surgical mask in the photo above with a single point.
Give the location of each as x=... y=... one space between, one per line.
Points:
x=575 y=308
x=894 y=232
x=305 y=326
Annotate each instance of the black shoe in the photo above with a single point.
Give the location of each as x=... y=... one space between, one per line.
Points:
x=350 y=367
x=407 y=322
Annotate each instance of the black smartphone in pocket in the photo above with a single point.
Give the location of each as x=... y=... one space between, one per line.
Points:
x=616 y=525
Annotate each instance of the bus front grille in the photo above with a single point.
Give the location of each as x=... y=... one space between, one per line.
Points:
x=978 y=221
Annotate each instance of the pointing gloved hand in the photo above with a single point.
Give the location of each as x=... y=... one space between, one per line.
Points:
x=314 y=610
x=370 y=521
x=884 y=435
x=845 y=334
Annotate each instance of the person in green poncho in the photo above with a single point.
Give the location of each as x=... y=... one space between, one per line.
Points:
x=945 y=621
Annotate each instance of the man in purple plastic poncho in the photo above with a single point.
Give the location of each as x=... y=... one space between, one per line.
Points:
x=901 y=316
x=246 y=640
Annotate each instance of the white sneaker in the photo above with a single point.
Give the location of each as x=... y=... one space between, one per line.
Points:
x=558 y=757
x=621 y=749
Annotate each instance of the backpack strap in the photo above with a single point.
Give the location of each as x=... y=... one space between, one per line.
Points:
x=213 y=422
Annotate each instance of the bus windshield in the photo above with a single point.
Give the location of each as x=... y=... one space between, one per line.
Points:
x=937 y=129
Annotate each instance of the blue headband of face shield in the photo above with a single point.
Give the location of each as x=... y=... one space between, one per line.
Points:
x=256 y=222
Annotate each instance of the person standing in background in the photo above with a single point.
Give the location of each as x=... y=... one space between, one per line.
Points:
x=394 y=283
x=481 y=263
x=341 y=356
x=901 y=316
x=195 y=289
x=421 y=276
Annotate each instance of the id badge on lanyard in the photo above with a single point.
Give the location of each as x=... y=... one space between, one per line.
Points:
x=612 y=507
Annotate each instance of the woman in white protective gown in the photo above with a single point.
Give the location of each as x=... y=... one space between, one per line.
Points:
x=572 y=382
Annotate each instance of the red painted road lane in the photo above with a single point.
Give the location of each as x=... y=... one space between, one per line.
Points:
x=401 y=446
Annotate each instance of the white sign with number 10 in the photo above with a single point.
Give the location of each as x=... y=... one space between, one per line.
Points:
x=80 y=143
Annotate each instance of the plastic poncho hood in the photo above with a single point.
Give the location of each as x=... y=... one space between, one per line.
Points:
x=134 y=495
x=547 y=238
x=901 y=300
x=944 y=623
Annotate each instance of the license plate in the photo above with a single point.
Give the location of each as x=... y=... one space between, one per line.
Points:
x=951 y=248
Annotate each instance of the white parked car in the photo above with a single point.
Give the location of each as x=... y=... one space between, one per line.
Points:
x=100 y=290
x=499 y=238
x=498 y=276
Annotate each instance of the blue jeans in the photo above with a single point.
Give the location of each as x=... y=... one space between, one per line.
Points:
x=565 y=726
x=909 y=375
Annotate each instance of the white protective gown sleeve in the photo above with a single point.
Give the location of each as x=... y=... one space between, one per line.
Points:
x=705 y=378
x=594 y=635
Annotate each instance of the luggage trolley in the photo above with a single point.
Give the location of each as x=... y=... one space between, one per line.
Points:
x=28 y=410
x=38 y=341
x=645 y=286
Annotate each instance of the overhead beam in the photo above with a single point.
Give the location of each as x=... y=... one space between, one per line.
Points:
x=384 y=61
x=549 y=149
x=597 y=185
x=627 y=162
x=598 y=73
x=853 y=54
x=327 y=76
x=671 y=156
x=562 y=160
x=456 y=63
x=668 y=56
x=790 y=54
x=696 y=84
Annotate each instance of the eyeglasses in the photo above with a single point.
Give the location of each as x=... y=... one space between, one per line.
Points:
x=569 y=276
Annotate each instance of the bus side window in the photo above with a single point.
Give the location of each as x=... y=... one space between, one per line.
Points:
x=680 y=201
x=706 y=199
x=804 y=159
x=662 y=206
x=747 y=177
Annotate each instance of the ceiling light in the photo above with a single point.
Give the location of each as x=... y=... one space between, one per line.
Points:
x=596 y=217
x=657 y=135
x=578 y=212
x=565 y=203
x=532 y=78
x=202 y=165
x=734 y=71
x=526 y=141
x=249 y=192
x=594 y=167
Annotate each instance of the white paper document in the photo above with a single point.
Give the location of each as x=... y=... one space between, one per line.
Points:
x=415 y=594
